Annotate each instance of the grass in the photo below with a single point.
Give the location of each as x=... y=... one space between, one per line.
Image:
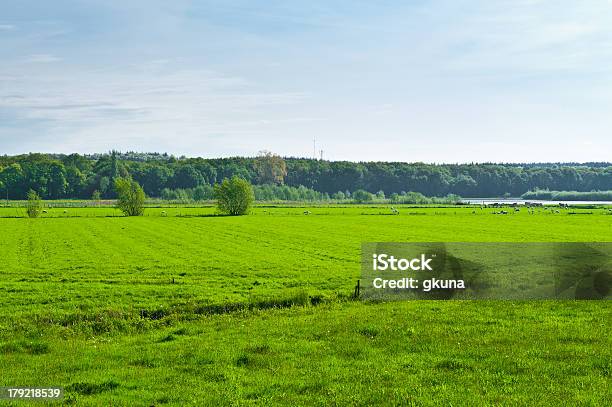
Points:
x=194 y=309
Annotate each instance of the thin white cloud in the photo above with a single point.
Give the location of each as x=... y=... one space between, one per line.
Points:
x=42 y=58
x=142 y=108
x=7 y=27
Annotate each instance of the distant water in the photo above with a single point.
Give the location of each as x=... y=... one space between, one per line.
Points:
x=511 y=201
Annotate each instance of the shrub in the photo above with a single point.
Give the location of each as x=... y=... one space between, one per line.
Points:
x=361 y=196
x=203 y=192
x=131 y=197
x=34 y=204
x=87 y=388
x=339 y=196
x=271 y=192
x=234 y=196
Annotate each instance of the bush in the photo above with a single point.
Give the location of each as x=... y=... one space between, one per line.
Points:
x=415 y=198
x=271 y=192
x=131 y=197
x=173 y=194
x=339 y=196
x=203 y=193
x=34 y=204
x=234 y=197
x=361 y=196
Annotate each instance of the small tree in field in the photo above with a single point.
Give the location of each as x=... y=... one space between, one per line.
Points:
x=34 y=205
x=130 y=197
x=234 y=197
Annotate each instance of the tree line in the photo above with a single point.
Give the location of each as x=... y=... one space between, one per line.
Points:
x=56 y=176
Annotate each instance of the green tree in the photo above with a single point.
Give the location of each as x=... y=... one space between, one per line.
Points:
x=361 y=196
x=95 y=196
x=75 y=181
x=57 y=184
x=271 y=168
x=34 y=204
x=4 y=188
x=130 y=197
x=187 y=176
x=203 y=192
x=155 y=178
x=234 y=196
x=12 y=177
x=339 y=196
x=105 y=186
x=107 y=169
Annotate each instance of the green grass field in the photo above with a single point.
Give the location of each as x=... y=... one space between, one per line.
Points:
x=188 y=308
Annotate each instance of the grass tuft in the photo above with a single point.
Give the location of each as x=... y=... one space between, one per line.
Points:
x=86 y=389
x=167 y=338
x=369 y=331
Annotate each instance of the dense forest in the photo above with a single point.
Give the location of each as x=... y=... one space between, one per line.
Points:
x=56 y=176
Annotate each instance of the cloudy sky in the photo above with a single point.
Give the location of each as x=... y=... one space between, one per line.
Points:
x=433 y=81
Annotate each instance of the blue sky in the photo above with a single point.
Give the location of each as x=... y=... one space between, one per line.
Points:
x=433 y=81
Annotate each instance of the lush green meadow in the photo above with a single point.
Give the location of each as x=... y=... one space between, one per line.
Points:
x=185 y=307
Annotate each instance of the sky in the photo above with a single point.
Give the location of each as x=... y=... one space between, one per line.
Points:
x=431 y=81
